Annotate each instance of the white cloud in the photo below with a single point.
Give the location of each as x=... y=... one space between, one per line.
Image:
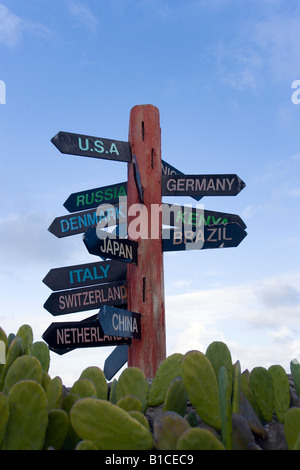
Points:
x=12 y=28
x=82 y=14
x=258 y=320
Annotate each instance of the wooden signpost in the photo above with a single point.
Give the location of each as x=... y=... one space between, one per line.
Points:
x=128 y=287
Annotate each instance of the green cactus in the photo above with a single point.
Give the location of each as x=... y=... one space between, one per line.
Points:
x=167 y=371
x=262 y=388
x=130 y=403
x=167 y=429
x=201 y=384
x=57 y=429
x=108 y=426
x=132 y=381
x=219 y=355
x=26 y=335
x=236 y=387
x=4 y=414
x=225 y=407
x=112 y=392
x=295 y=371
x=292 y=427
x=140 y=418
x=96 y=375
x=84 y=388
x=176 y=397
x=281 y=388
x=40 y=350
x=24 y=367
x=54 y=393
x=28 y=417
x=198 y=439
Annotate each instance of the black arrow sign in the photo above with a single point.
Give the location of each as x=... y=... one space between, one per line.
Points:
x=110 y=247
x=217 y=236
x=201 y=185
x=86 y=298
x=120 y=322
x=177 y=216
x=70 y=277
x=72 y=224
x=115 y=361
x=88 y=146
x=93 y=197
x=72 y=335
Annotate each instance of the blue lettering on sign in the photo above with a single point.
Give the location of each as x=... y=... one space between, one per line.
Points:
x=90 y=220
x=81 y=275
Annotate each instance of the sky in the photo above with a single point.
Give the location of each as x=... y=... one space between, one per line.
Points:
x=223 y=74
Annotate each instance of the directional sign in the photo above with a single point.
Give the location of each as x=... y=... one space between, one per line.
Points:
x=201 y=185
x=90 y=198
x=96 y=147
x=86 y=298
x=73 y=335
x=168 y=169
x=115 y=361
x=217 y=236
x=177 y=216
x=80 y=275
x=93 y=197
x=72 y=224
x=115 y=247
x=116 y=321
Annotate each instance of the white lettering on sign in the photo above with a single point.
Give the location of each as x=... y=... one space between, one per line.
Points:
x=188 y=236
x=124 y=323
x=200 y=184
x=116 y=248
x=86 y=334
x=80 y=299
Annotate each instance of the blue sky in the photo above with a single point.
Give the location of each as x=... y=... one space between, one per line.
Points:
x=221 y=74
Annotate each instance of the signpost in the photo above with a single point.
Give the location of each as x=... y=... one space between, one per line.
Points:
x=175 y=215
x=73 y=335
x=81 y=275
x=119 y=322
x=88 y=146
x=132 y=275
x=111 y=247
x=201 y=185
x=86 y=298
x=217 y=236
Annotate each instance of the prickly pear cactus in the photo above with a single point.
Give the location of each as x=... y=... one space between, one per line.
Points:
x=28 y=417
x=262 y=388
x=84 y=388
x=24 y=367
x=57 y=429
x=4 y=413
x=167 y=371
x=292 y=427
x=219 y=355
x=236 y=387
x=108 y=426
x=96 y=375
x=167 y=429
x=295 y=371
x=40 y=350
x=54 y=393
x=14 y=350
x=281 y=388
x=130 y=403
x=26 y=335
x=225 y=408
x=201 y=384
x=132 y=381
x=176 y=397
x=85 y=445
x=198 y=439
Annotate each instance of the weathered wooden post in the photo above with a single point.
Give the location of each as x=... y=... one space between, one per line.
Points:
x=146 y=278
